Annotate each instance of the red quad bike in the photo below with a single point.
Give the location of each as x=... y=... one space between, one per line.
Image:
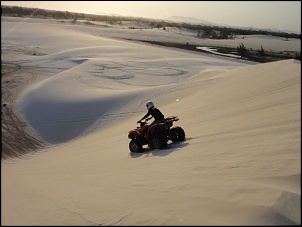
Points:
x=156 y=136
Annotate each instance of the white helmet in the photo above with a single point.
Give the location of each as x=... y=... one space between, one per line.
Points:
x=149 y=105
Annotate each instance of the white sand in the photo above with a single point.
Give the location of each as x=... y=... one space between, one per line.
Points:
x=241 y=164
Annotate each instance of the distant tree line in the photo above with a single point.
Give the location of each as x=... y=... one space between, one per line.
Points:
x=19 y=11
x=226 y=32
x=265 y=56
x=208 y=31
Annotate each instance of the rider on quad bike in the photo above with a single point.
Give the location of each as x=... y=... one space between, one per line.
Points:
x=154 y=112
x=157 y=134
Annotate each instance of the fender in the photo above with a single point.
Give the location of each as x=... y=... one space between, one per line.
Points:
x=160 y=127
x=138 y=132
x=133 y=133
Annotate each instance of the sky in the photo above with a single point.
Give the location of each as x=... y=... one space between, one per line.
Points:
x=281 y=15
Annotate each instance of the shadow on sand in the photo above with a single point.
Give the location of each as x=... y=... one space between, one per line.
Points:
x=148 y=152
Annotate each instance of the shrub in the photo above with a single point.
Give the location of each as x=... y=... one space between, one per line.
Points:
x=261 y=51
x=241 y=50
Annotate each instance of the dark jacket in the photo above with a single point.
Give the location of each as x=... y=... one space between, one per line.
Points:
x=154 y=112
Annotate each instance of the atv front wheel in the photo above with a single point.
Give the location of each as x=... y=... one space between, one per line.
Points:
x=135 y=146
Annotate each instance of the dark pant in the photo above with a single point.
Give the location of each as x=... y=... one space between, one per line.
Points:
x=156 y=121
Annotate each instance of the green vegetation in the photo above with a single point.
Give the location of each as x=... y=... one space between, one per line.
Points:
x=261 y=51
x=241 y=50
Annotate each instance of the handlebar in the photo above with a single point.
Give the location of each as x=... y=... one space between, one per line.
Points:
x=146 y=119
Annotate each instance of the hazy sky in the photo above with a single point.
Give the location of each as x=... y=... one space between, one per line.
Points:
x=283 y=15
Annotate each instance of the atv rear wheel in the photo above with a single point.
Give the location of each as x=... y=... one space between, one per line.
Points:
x=135 y=146
x=178 y=134
x=158 y=142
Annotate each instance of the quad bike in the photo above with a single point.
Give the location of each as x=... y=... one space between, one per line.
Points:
x=155 y=136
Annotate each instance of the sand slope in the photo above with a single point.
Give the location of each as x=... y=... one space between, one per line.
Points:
x=240 y=164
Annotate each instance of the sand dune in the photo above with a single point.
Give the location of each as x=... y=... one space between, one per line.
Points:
x=240 y=164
